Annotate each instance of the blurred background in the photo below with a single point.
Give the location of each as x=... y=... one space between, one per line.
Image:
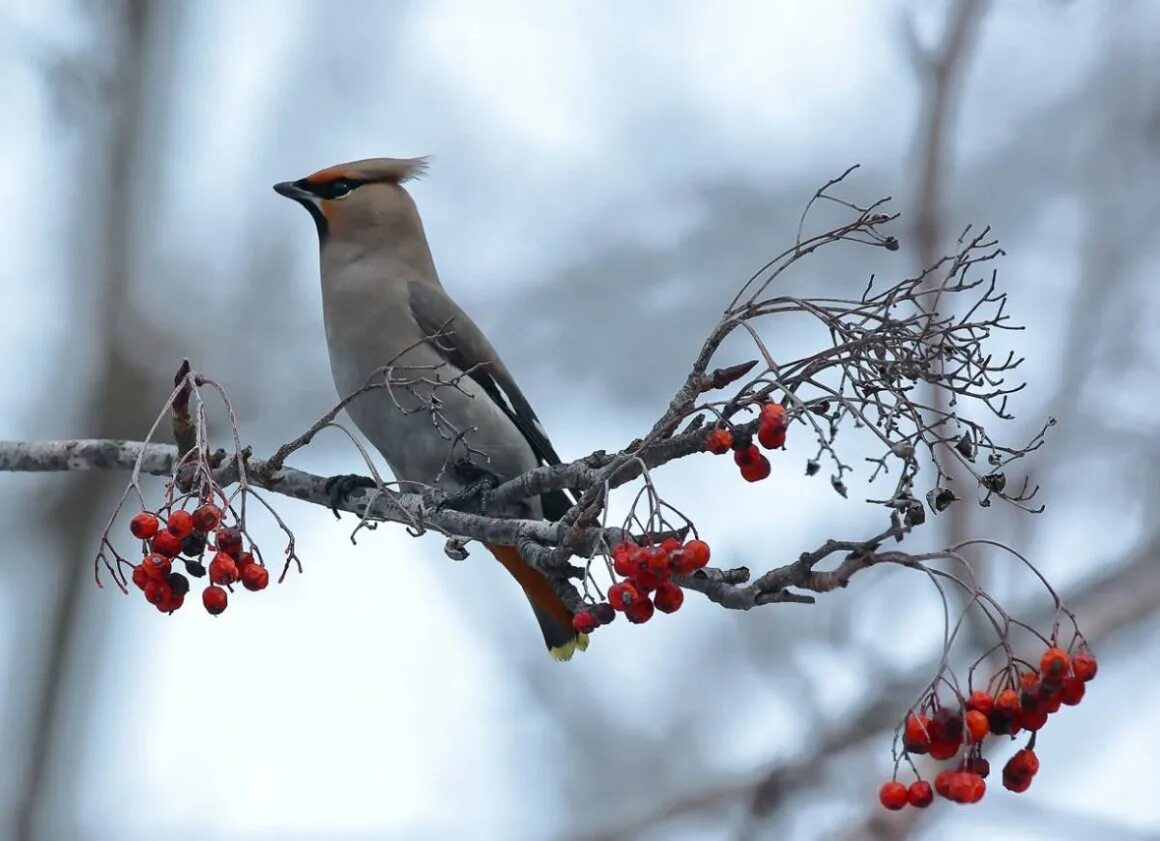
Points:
x=604 y=176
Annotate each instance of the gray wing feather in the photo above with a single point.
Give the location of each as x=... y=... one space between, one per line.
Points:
x=463 y=345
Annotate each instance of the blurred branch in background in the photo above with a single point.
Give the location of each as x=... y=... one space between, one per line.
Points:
x=112 y=170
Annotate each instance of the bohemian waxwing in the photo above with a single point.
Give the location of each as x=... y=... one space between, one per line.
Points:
x=383 y=304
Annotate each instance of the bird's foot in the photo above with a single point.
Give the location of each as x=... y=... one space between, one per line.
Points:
x=339 y=488
x=479 y=489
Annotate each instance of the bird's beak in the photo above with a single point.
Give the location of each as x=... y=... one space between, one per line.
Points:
x=292 y=191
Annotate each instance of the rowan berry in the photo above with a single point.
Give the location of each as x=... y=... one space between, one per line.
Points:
x=144 y=525
x=215 y=599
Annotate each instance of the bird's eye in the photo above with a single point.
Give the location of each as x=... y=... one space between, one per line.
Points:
x=337 y=189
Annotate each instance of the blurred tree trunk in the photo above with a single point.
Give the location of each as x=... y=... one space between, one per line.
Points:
x=113 y=168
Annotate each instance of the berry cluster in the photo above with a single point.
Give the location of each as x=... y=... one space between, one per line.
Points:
x=957 y=732
x=771 y=428
x=188 y=533
x=647 y=586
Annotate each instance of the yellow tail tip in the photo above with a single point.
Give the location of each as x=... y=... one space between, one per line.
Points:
x=563 y=653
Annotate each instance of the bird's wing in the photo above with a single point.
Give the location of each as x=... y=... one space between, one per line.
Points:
x=463 y=344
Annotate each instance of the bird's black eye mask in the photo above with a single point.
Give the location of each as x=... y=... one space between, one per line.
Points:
x=338 y=188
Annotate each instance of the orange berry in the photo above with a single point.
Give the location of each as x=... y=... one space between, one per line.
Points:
x=719 y=441
x=623 y=595
x=919 y=794
x=1084 y=666
x=1007 y=702
x=639 y=611
x=1023 y=762
x=981 y=701
x=1054 y=664
x=669 y=597
x=658 y=562
x=892 y=795
x=223 y=569
x=144 y=525
x=584 y=622
x=746 y=456
x=698 y=552
x=215 y=599
x=647 y=581
x=180 y=524
x=976 y=724
x=773 y=416
x=255 y=577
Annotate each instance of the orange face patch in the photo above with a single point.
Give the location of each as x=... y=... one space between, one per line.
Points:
x=331 y=173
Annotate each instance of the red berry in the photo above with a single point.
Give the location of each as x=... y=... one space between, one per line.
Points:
x=1073 y=691
x=981 y=701
x=967 y=787
x=166 y=543
x=1084 y=665
x=976 y=724
x=171 y=603
x=747 y=456
x=681 y=563
x=215 y=599
x=757 y=471
x=157 y=567
x=622 y=558
x=698 y=552
x=670 y=544
x=255 y=577
x=584 y=622
x=669 y=597
x=647 y=581
x=916 y=737
x=207 y=517
x=223 y=569
x=1016 y=783
x=1032 y=721
x=719 y=441
x=156 y=592
x=180 y=524
x=604 y=613
x=892 y=795
x=1054 y=664
x=942 y=783
x=229 y=540
x=623 y=595
x=144 y=525
x=1023 y=762
x=977 y=765
x=639 y=611
x=946 y=724
x=944 y=748
x=919 y=794
x=658 y=563
x=140 y=575
x=771 y=438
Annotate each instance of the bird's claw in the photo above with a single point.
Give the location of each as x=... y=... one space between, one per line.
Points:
x=340 y=487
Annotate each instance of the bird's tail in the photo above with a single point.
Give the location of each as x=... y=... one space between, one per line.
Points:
x=554 y=616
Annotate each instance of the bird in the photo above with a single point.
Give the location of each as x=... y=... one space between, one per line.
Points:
x=453 y=418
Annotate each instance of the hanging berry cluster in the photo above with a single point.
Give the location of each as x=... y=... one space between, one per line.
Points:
x=191 y=534
x=647 y=586
x=771 y=428
x=956 y=733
